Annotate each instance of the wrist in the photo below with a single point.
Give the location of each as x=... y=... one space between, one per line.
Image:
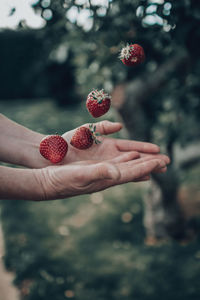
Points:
x=20 y=145
x=45 y=182
x=31 y=156
x=22 y=184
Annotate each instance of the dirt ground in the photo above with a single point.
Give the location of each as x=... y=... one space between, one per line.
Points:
x=7 y=289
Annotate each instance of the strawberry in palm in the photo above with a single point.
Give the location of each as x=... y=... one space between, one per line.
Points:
x=53 y=148
x=84 y=137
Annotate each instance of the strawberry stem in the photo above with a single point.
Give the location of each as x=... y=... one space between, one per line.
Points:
x=94 y=133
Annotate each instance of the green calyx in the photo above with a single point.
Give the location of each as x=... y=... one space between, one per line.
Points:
x=99 y=95
x=94 y=133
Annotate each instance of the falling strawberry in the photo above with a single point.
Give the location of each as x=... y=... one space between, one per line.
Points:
x=132 y=55
x=53 y=148
x=84 y=137
x=98 y=103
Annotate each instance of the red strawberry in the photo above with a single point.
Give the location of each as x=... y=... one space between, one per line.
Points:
x=98 y=103
x=84 y=137
x=53 y=148
x=132 y=55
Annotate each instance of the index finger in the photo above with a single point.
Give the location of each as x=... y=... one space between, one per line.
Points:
x=128 y=145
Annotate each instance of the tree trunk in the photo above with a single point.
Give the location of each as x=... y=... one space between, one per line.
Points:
x=163 y=217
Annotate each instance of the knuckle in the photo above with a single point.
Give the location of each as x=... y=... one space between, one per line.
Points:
x=102 y=169
x=111 y=171
x=103 y=126
x=142 y=170
x=79 y=178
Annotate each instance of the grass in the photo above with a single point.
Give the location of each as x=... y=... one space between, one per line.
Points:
x=92 y=246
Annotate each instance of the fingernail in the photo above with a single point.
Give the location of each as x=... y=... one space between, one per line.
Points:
x=118 y=123
x=158 y=148
x=162 y=164
x=163 y=170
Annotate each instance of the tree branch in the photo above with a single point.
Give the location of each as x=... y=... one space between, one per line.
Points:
x=143 y=88
x=135 y=94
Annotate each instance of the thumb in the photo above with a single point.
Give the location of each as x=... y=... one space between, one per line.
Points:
x=101 y=171
x=107 y=127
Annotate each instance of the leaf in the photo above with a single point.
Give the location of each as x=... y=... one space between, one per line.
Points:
x=12 y=11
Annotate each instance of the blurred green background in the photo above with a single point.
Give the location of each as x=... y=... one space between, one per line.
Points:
x=136 y=241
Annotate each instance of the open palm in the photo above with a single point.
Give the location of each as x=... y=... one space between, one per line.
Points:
x=111 y=148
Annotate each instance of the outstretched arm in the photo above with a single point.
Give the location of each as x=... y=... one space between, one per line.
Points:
x=56 y=182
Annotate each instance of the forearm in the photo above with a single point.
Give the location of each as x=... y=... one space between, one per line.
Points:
x=20 y=184
x=20 y=145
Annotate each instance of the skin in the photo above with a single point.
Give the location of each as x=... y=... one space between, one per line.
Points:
x=89 y=177
x=113 y=162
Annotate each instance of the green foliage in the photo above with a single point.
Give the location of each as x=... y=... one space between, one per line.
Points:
x=21 y=57
x=26 y=63
x=164 y=28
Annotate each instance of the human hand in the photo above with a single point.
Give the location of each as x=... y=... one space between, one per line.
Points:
x=110 y=148
x=90 y=176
